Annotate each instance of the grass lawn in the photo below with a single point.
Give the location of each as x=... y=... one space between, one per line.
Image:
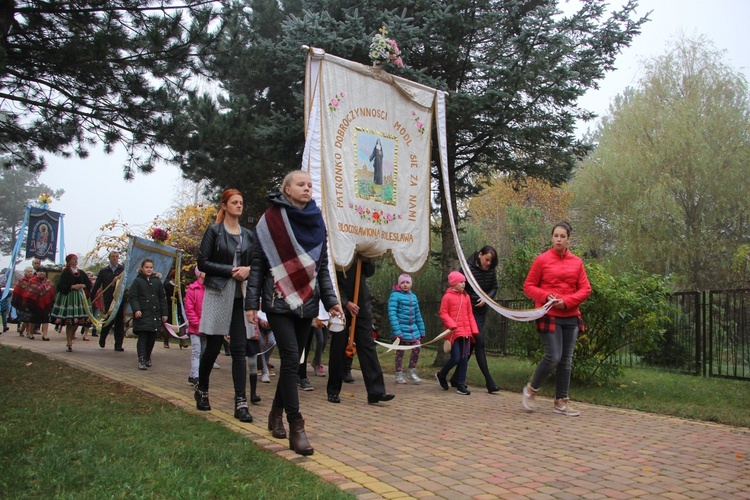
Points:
x=646 y=389
x=65 y=433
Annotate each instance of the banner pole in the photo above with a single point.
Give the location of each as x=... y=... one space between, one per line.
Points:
x=350 y=348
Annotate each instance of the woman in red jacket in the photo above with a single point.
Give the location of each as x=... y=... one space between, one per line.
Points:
x=557 y=276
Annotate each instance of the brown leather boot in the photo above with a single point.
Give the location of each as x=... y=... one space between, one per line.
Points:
x=298 y=439
x=276 y=422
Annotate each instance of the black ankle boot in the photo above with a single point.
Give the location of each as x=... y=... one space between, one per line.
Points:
x=141 y=363
x=241 y=412
x=201 y=400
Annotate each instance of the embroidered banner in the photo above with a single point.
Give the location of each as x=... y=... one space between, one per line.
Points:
x=368 y=134
x=41 y=242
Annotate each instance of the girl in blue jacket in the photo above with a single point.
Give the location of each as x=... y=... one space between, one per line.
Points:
x=407 y=325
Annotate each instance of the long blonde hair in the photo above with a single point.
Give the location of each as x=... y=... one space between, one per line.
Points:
x=225 y=197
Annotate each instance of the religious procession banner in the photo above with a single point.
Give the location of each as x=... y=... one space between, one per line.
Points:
x=368 y=148
x=42 y=239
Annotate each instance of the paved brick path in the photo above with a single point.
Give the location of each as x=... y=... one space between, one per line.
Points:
x=428 y=443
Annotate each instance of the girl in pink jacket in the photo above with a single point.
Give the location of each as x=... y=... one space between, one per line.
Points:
x=457 y=316
x=193 y=311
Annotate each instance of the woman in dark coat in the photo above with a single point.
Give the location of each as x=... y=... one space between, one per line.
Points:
x=149 y=305
x=291 y=235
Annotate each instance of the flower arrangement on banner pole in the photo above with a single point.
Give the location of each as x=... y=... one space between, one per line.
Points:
x=159 y=234
x=45 y=199
x=383 y=49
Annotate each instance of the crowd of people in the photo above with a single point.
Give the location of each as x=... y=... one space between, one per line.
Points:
x=270 y=287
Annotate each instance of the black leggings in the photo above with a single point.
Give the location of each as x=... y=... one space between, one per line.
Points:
x=237 y=347
x=291 y=334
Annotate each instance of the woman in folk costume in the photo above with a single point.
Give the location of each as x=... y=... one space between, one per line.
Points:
x=225 y=255
x=69 y=309
x=37 y=297
x=289 y=277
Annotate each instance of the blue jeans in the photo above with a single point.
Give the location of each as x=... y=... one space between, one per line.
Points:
x=459 y=357
x=558 y=355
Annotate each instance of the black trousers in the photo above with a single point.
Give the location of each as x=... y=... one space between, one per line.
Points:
x=145 y=345
x=237 y=347
x=118 y=323
x=291 y=334
x=372 y=373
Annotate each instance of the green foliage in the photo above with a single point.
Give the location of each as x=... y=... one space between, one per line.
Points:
x=526 y=238
x=76 y=73
x=494 y=57
x=18 y=188
x=627 y=310
x=670 y=170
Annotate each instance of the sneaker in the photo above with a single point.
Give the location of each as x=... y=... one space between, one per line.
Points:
x=141 y=364
x=148 y=363
x=348 y=377
x=319 y=371
x=192 y=380
x=400 y=378
x=265 y=378
x=562 y=406
x=413 y=376
x=441 y=380
x=527 y=400
x=305 y=385
x=463 y=390
x=216 y=366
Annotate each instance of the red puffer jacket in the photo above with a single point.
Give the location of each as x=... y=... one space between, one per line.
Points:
x=561 y=275
x=455 y=311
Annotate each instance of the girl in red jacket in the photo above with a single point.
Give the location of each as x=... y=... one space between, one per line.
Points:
x=456 y=313
x=558 y=276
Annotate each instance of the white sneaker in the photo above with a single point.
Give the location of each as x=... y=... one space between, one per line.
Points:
x=216 y=366
x=265 y=378
x=528 y=397
x=400 y=378
x=562 y=406
x=413 y=376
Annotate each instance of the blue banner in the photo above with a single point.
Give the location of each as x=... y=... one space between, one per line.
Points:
x=41 y=242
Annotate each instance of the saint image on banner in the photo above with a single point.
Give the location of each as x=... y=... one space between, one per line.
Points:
x=377 y=159
x=42 y=238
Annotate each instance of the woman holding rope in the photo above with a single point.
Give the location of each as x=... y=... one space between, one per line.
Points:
x=225 y=255
x=291 y=235
x=557 y=276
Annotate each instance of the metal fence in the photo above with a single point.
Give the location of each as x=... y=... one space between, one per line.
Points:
x=706 y=333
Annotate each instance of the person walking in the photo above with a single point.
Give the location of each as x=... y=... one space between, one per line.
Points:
x=482 y=265
x=225 y=256
x=407 y=325
x=193 y=311
x=291 y=236
x=457 y=316
x=69 y=309
x=558 y=276
x=105 y=285
x=149 y=304
x=372 y=372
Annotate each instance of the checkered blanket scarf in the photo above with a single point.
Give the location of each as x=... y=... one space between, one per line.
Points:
x=292 y=241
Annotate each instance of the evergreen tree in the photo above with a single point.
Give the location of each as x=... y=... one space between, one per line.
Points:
x=76 y=73
x=513 y=69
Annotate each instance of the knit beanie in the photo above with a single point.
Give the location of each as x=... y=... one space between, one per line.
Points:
x=404 y=278
x=454 y=278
